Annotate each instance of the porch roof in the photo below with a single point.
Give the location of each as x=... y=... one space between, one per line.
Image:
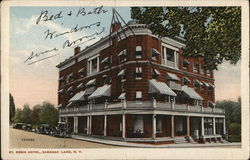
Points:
x=191 y=93
x=78 y=97
x=172 y=76
x=160 y=87
x=104 y=91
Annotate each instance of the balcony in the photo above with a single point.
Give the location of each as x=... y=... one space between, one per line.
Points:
x=143 y=105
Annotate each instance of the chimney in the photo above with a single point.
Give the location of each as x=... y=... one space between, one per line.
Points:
x=116 y=26
x=77 y=50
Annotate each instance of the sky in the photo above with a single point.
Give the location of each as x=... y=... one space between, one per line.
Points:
x=38 y=82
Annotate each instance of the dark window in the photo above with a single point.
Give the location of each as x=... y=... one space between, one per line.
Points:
x=138 y=73
x=170 y=55
x=138 y=52
x=155 y=74
x=155 y=54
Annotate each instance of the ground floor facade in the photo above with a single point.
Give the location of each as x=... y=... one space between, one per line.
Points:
x=149 y=127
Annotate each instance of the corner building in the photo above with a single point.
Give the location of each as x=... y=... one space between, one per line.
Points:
x=134 y=86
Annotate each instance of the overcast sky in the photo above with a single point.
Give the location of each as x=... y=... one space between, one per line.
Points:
x=38 y=82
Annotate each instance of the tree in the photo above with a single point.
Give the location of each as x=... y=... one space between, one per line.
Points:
x=213 y=33
x=48 y=114
x=35 y=120
x=18 y=116
x=26 y=112
x=11 y=108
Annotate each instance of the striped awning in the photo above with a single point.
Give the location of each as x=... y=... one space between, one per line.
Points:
x=121 y=73
x=122 y=96
x=191 y=93
x=160 y=87
x=154 y=51
x=155 y=71
x=80 y=85
x=91 y=82
x=104 y=91
x=172 y=76
x=78 y=97
x=105 y=60
x=122 y=53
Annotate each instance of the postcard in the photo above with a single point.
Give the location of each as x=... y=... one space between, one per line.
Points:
x=125 y=79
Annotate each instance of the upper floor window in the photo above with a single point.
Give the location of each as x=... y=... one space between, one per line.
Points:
x=186 y=81
x=138 y=96
x=155 y=54
x=122 y=75
x=93 y=65
x=170 y=54
x=138 y=52
x=155 y=73
x=169 y=57
x=185 y=64
x=202 y=69
x=70 y=77
x=122 y=56
x=106 y=79
x=208 y=73
x=138 y=73
x=196 y=83
x=105 y=62
x=195 y=67
x=81 y=72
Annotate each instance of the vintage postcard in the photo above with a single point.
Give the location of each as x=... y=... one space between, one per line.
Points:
x=125 y=79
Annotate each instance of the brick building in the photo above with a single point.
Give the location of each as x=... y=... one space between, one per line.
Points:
x=134 y=86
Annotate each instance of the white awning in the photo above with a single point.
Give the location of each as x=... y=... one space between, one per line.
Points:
x=191 y=93
x=206 y=84
x=78 y=97
x=70 y=75
x=160 y=87
x=104 y=91
x=80 y=85
x=59 y=106
x=211 y=85
x=121 y=73
x=60 y=91
x=172 y=76
x=105 y=60
x=70 y=89
x=122 y=96
x=81 y=70
x=155 y=51
x=186 y=61
x=187 y=79
x=212 y=103
x=122 y=53
x=69 y=104
x=156 y=72
x=104 y=76
x=91 y=82
x=197 y=81
x=61 y=79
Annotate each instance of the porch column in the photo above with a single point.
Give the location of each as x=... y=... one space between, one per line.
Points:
x=214 y=128
x=105 y=126
x=123 y=126
x=75 y=124
x=188 y=126
x=88 y=125
x=60 y=119
x=224 y=126
x=66 y=119
x=172 y=126
x=154 y=126
x=202 y=126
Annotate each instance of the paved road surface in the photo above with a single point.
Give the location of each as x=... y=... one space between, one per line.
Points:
x=23 y=139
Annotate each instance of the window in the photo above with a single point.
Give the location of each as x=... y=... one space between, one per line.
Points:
x=106 y=79
x=138 y=52
x=208 y=73
x=93 y=65
x=159 y=125
x=138 y=73
x=70 y=77
x=195 y=67
x=170 y=55
x=186 y=81
x=155 y=54
x=138 y=124
x=196 y=84
x=105 y=62
x=155 y=74
x=138 y=96
x=81 y=72
x=122 y=75
x=202 y=69
x=122 y=56
x=185 y=64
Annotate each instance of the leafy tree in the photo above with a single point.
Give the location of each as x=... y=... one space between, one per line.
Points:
x=11 y=108
x=213 y=33
x=49 y=114
x=18 y=116
x=35 y=120
x=26 y=112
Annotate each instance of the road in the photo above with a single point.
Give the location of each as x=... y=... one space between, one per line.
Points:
x=24 y=139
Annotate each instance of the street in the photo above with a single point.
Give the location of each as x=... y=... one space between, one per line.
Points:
x=24 y=139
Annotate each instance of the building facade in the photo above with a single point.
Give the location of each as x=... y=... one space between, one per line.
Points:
x=135 y=86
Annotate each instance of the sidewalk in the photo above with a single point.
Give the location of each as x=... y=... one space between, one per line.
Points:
x=137 y=145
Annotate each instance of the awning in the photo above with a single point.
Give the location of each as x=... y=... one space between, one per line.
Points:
x=191 y=93
x=187 y=79
x=61 y=79
x=160 y=87
x=80 y=85
x=89 y=90
x=174 y=86
x=197 y=81
x=212 y=103
x=59 y=106
x=78 y=97
x=121 y=73
x=70 y=89
x=206 y=84
x=122 y=96
x=186 y=61
x=211 y=85
x=122 y=53
x=155 y=71
x=105 y=60
x=70 y=75
x=104 y=76
x=81 y=70
x=155 y=51
x=91 y=82
x=60 y=91
x=69 y=104
x=172 y=76
x=104 y=91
